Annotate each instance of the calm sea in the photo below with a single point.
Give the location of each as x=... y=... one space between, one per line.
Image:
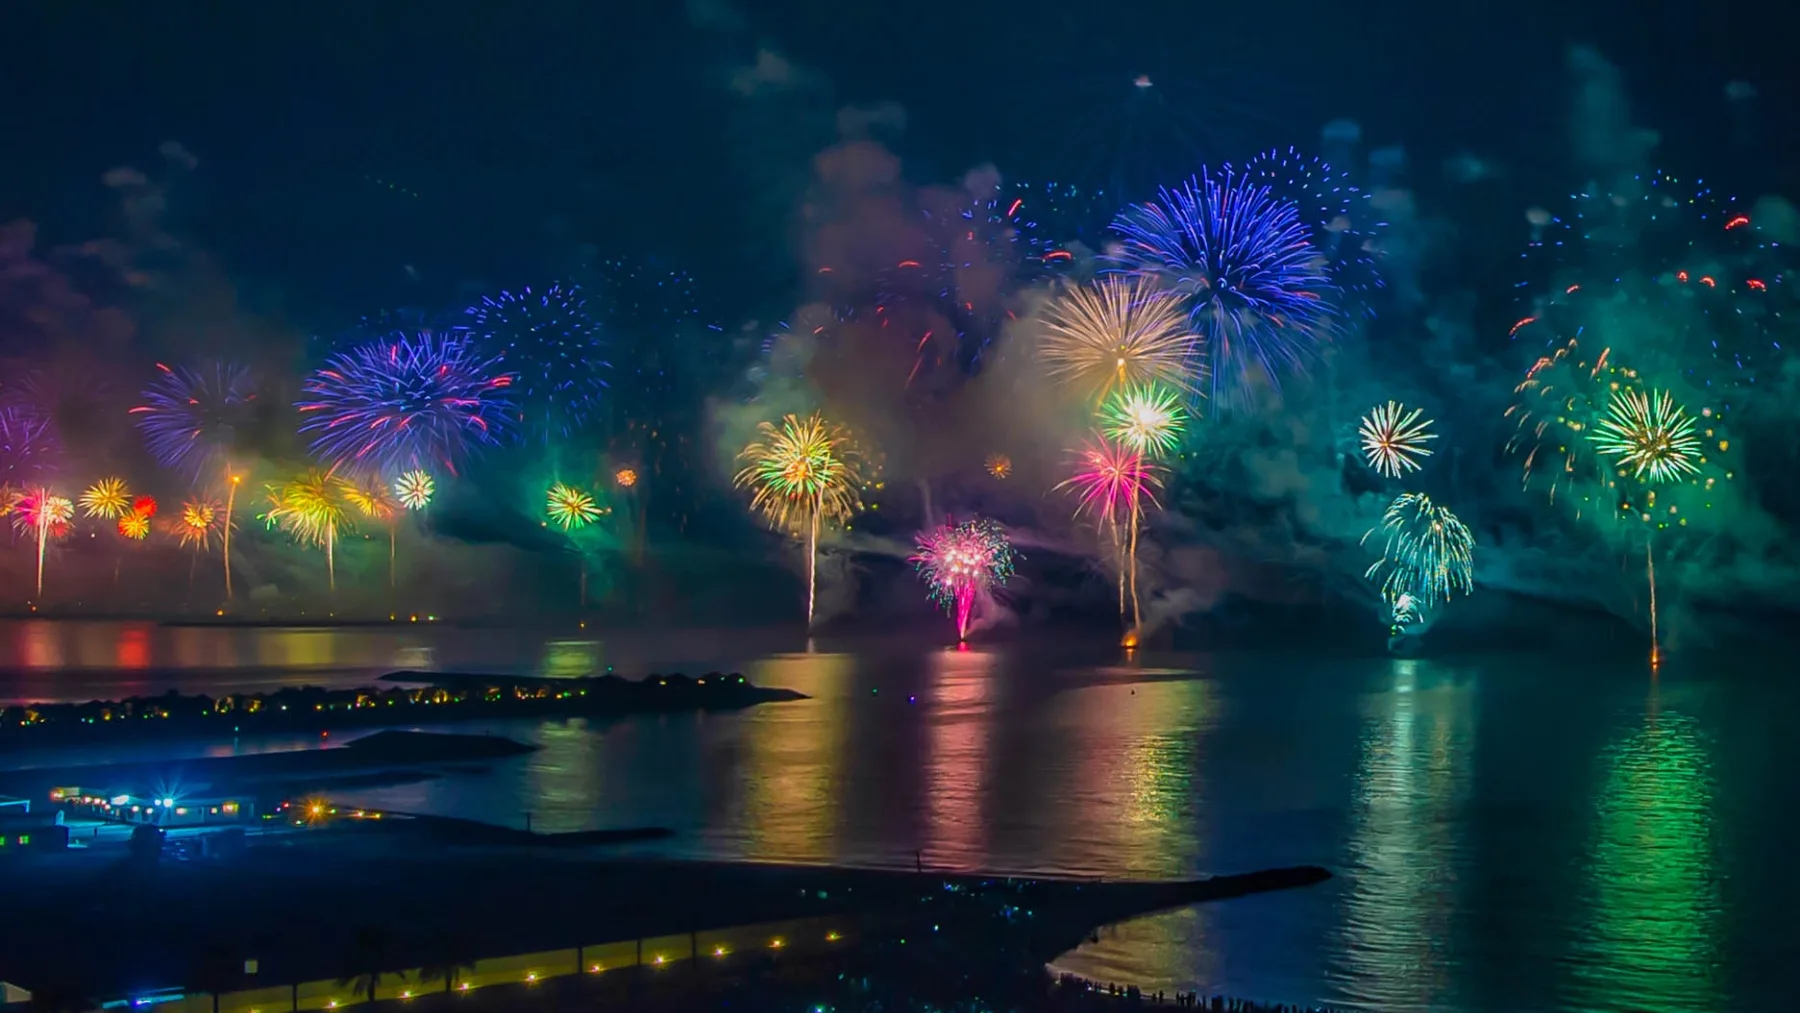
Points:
x=1508 y=833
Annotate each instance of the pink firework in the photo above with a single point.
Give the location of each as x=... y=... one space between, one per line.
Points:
x=1114 y=482
x=960 y=561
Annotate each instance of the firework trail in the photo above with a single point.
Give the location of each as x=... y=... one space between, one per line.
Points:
x=1428 y=555
x=44 y=516
x=1113 y=483
x=1120 y=331
x=802 y=473
x=1393 y=439
x=372 y=498
x=557 y=348
x=405 y=403
x=960 y=562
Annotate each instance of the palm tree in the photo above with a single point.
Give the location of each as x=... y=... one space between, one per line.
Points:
x=451 y=955
x=369 y=959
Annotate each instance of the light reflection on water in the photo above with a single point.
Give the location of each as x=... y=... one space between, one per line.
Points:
x=1507 y=834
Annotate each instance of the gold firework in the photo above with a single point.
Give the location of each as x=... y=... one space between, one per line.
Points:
x=1650 y=434
x=1119 y=331
x=1394 y=439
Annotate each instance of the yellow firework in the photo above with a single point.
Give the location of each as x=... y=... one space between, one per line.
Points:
x=1393 y=439
x=106 y=498
x=198 y=522
x=134 y=526
x=570 y=508
x=1119 y=331
x=801 y=472
x=999 y=465
x=373 y=499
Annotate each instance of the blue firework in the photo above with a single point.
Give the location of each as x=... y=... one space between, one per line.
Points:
x=192 y=417
x=406 y=402
x=1258 y=287
x=558 y=348
x=29 y=448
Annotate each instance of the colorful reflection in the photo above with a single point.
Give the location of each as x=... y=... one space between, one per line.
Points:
x=570 y=659
x=1653 y=872
x=1406 y=841
x=960 y=697
x=793 y=756
x=564 y=777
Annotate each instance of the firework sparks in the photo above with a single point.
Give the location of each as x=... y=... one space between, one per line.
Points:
x=1120 y=331
x=1649 y=434
x=1393 y=439
x=28 y=444
x=962 y=561
x=135 y=526
x=557 y=347
x=1113 y=480
x=44 y=516
x=414 y=489
x=1253 y=280
x=405 y=403
x=803 y=472
x=625 y=477
x=570 y=508
x=1148 y=419
x=311 y=509
x=193 y=417
x=999 y=465
x=199 y=521
x=1429 y=554
x=107 y=498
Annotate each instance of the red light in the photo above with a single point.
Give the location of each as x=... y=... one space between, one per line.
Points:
x=1708 y=282
x=1015 y=206
x=1571 y=288
x=1735 y=222
x=1681 y=276
x=1757 y=285
x=824 y=270
x=909 y=263
x=1522 y=323
x=1059 y=255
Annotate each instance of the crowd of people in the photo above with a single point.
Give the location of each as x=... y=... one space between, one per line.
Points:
x=1077 y=993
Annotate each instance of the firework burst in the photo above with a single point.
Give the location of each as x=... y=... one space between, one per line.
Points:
x=802 y=473
x=107 y=498
x=960 y=562
x=570 y=508
x=135 y=526
x=414 y=489
x=193 y=418
x=1120 y=331
x=405 y=403
x=556 y=346
x=998 y=465
x=1247 y=270
x=1148 y=419
x=1649 y=434
x=44 y=516
x=1428 y=555
x=198 y=522
x=1393 y=439
x=28 y=444
x=312 y=510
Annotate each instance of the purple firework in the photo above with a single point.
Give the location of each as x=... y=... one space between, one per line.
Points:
x=406 y=402
x=556 y=345
x=1260 y=289
x=28 y=444
x=193 y=417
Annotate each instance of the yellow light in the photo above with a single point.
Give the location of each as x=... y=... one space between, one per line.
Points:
x=406 y=995
x=718 y=951
x=464 y=986
x=594 y=970
x=659 y=959
x=832 y=937
x=775 y=944
x=531 y=977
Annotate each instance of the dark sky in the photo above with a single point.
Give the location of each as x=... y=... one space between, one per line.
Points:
x=544 y=123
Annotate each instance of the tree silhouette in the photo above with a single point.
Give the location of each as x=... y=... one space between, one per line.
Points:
x=451 y=954
x=370 y=959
